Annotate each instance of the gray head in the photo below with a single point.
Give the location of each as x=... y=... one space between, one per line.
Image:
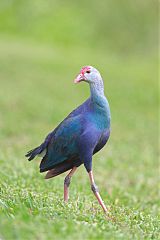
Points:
x=90 y=75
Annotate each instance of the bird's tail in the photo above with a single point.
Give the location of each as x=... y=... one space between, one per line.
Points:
x=40 y=151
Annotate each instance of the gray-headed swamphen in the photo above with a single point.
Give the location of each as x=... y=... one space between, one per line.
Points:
x=80 y=135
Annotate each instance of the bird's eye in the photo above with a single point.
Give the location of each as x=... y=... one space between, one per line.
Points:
x=88 y=71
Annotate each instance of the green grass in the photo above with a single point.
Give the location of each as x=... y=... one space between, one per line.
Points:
x=36 y=93
x=41 y=52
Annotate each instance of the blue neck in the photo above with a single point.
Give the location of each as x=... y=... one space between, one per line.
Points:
x=98 y=98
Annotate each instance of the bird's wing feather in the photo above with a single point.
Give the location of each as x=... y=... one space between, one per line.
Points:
x=38 y=150
x=63 y=144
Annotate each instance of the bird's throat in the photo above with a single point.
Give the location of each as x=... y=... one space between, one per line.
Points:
x=97 y=91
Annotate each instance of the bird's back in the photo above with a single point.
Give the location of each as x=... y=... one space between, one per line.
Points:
x=64 y=139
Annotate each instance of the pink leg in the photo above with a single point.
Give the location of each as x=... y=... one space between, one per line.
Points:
x=67 y=183
x=96 y=193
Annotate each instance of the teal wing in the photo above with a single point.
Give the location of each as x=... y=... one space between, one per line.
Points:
x=63 y=145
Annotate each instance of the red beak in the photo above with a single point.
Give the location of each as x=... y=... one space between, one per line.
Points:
x=79 y=78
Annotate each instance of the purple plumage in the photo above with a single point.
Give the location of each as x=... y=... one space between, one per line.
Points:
x=80 y=135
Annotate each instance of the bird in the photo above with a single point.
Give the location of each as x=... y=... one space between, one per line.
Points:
x=84 y=132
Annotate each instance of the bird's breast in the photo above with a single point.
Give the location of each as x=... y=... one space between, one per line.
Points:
x=100 y=119
x=102 y=141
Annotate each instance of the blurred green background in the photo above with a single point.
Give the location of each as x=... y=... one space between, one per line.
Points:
x=43 y=45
